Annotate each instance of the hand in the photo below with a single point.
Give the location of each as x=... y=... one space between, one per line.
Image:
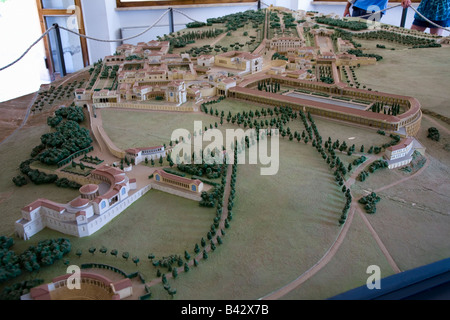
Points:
x=347 y=12
x=406 y=3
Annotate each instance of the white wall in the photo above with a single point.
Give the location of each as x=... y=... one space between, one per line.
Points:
x=103 y=20
x=28 y=74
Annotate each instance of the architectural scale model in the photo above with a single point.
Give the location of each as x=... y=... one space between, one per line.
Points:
x=126 y=193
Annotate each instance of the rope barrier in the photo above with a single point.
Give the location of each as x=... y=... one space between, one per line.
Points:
x=428 y=20
x=29 y=48
x=117 y=40
x=83 y=36
x=414 y=9
x=182 y=13
x=377 y=12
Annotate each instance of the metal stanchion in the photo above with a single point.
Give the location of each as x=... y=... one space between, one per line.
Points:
x=62 y=63
x=171 y=27
x=403 y=20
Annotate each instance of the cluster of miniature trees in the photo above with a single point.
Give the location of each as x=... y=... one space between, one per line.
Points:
x=378 y=107
x=94 y=72
x=67 y=140
x=240 y=19
x=360 y=53
x=269 y=85
x=348 y=202
x=181 y=40
x=289 y=21
x=379 y=164
x=433 y=134
x=326 y=74
x=45 y=253
x=279 y=56
x=370 y=202
x=55 y=94
x=17 y=290
x=352 y=25
x=404 y=39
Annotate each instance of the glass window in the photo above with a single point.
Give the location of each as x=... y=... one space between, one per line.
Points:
x=73 y=54
x=57 y=4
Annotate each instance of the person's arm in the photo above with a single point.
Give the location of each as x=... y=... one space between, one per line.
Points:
x=347 y=9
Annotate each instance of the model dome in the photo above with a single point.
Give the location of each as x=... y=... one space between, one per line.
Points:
x=89 y=189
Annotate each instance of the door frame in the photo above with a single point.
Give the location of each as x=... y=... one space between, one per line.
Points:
x=62 y=12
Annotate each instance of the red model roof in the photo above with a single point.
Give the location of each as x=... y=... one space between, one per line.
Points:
x=402 y=144
x=318 y=105
x=44 y=203
x=89 y=188
x=174 y=177
x=137 y=150
x=122 y=284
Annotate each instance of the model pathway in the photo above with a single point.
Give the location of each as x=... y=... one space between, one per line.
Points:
x=341 y=236
x=199 y=256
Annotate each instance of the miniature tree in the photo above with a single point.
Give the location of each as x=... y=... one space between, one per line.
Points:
x=92 y=250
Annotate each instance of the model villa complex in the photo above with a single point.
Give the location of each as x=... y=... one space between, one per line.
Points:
x=96 y=206
x=147 y=76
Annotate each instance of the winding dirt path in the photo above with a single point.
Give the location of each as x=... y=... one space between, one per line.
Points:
x=342 y=234
x=199 y=256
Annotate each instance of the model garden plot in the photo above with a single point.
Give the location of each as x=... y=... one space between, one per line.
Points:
x=300 y=71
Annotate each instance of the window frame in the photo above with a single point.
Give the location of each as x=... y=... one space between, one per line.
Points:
x=168 y=3
x=61 y=12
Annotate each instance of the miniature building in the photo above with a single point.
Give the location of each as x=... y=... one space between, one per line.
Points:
x=344 y=45
x=105 y=96
x=224 y=84
x=400 y=154
x=407 y=122
x=283 y=44
x=82 y=94
x=137 y=155
x=176 y=92
x=93 y=286
x=84 y=215
x=176 y=181
x=205 y=60
x=243 y=62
